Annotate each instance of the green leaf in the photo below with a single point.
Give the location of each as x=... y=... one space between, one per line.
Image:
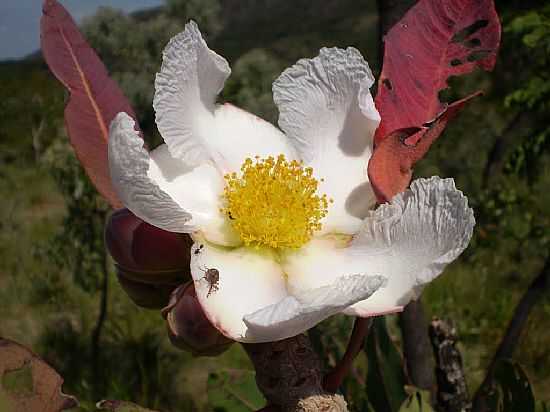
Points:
x=419 y=401
x=234 y=391
x=514 y=393
x=385 y=377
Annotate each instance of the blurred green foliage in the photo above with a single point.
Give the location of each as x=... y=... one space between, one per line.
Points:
x=51 y=243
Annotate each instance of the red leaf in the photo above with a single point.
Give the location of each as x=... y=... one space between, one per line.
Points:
x=390 y=167
x=95 y=97
x=435 y=40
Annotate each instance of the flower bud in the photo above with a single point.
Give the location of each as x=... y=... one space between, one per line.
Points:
x=150 y=261
x=146 y=295
x=139 y=247
x=188 y=327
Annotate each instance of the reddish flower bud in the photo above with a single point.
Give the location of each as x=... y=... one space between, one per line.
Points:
x=188 y=327
x=146 y=253
x=146 y=295
x=150 y=262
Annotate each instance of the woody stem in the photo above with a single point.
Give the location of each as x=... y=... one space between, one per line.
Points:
x=289 y=374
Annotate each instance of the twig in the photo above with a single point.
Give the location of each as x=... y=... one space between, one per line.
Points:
x=335 y=377
x=510 y=339
x=416 y=346
x=452 y=391
x=96 y=334
x=501 y=146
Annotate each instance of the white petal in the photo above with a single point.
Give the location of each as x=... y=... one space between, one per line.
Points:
x=193 y=126
x=327 y=110
x=198 y=191
x=321 y=262
x=249 y=280
x=412 y=239
x=408 y=241
x=296 y=314
x=129 y=163
x=242 y=135
x=191 y=77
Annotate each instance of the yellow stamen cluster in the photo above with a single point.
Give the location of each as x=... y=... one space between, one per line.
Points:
x=274 y=202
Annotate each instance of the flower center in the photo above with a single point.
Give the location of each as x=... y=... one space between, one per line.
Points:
x=274 y=202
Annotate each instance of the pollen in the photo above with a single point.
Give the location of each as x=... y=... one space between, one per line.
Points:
x=274 y=202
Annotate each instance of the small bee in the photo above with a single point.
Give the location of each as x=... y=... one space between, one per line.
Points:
x=198 y=250
x=212 y=276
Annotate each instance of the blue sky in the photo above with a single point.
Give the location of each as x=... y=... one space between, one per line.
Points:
x=19 y=20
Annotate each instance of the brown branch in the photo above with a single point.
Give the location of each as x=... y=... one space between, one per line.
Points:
x=269 y=409
x=452 y=391
x=416 y=346
x=288 y=373
x=510 y=340
x=335 y=377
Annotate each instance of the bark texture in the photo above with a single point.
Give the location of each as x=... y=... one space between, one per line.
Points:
x=289 y=374
x=452 y=391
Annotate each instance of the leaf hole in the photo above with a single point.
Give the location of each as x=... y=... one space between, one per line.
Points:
x=19 y=382
x=478 y=55
x=387 y=84
x=462 y=35
x=456 y=62
x=445 y=95
x=472 y=43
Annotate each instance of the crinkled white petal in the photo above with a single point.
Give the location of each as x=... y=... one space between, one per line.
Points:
x=196 y=129
x=249 y=280
x=191 y=77
x=129 y=163
x=412 y=239
x=296 y=314
x=409 y=241
x=198 y=191
x=327 y=110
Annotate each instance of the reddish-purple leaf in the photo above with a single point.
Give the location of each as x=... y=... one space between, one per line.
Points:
x=95 y=97
x=435 y=40
x=390 y=167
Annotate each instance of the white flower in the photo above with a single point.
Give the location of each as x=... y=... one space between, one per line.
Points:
x=287 y=258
